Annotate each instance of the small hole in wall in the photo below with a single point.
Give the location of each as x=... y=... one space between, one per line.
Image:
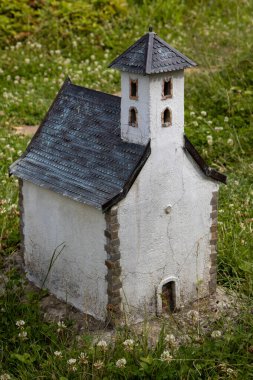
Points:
x=133 y=89
x=133 y=117
x=167 y=88
x=166 y=118
x=169 y=297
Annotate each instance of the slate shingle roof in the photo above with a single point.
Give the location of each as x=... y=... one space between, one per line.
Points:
x=150 y=55
x=78 y=151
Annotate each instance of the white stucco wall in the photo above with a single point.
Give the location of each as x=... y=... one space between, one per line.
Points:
x=150 y=106
x=138 y=135
x=78 y=274
x=156 y=245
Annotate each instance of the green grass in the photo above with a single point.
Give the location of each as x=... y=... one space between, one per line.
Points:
x=43 y=42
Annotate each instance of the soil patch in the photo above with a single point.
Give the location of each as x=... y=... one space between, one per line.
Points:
x=189 y=324
x=26 y=130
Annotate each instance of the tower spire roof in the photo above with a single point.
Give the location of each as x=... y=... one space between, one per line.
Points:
x=151 y=55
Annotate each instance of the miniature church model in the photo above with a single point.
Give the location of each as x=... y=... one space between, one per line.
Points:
x=118 y=209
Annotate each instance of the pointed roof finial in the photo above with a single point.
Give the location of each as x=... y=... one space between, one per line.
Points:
x=150 y=29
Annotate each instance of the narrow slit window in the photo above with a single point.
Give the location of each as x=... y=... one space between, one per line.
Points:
x=133 y=117
x=166 y=118
x=167 y=88
x=134 y=89
x=169 y=297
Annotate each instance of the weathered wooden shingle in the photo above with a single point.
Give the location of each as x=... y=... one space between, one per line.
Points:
x=150 y=55
x=78 y=151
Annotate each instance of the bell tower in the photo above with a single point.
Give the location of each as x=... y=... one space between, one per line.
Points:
x=152 y=87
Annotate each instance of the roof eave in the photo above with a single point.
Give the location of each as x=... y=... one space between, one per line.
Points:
x=207 y=170
x=190 y=61
x=122 y=194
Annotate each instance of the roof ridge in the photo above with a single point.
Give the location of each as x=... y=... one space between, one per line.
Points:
x=148 y=58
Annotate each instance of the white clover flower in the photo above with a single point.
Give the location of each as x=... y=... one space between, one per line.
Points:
x=192 y=113
x=226 y=119
x=74 y=368
x=61 y=326
x=83 y=358
x=209 y=122
x=23 y=335
x=166 y=357
x=203 y=113
x=216 y=334
x=193 y=315
x=209 y=140
x=58 y=354
x=27 y=60
x=171 y=340
x=20 y=323
x=218 y=128
x=195 y=123
x=102 y=344
x=98 y=364
x=128 y=344
x=229 y=371
x=58 y=52
x=230 y=142
x=71 y=361
x=121 y=363
x=1 y=71
x=5 y=376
